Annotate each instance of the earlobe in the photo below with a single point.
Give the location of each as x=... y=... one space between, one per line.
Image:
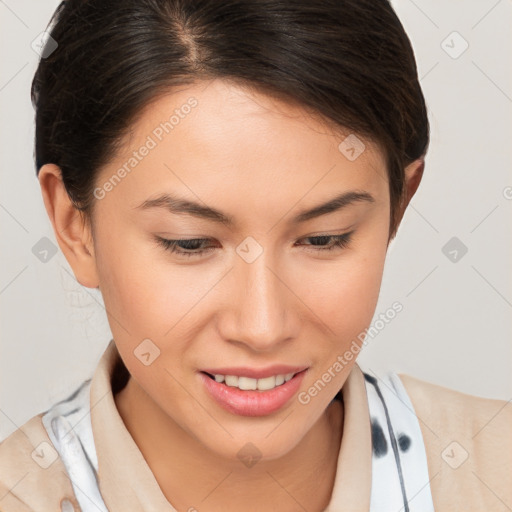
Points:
x=71 y=229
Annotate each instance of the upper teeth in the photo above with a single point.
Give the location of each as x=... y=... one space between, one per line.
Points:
x=246 y=383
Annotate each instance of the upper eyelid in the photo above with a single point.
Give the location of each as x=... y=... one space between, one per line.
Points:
x=347 y=234
x=330 y=232
x=208 y=239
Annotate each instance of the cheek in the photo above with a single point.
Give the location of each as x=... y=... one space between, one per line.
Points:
x=145 y=294
x=344 y=298
x=344 y=294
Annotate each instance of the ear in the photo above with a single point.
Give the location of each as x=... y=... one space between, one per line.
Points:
x=413 y=174
x=72 y=231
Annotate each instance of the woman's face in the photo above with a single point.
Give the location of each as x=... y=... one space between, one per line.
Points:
x=264 y=292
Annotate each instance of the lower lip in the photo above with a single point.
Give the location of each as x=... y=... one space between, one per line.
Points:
x=251 y=402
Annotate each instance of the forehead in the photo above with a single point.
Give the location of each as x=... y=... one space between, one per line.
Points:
x=213 y=139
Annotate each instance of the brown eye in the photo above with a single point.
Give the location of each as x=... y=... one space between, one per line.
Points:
x=337 y=241
x=186 y=247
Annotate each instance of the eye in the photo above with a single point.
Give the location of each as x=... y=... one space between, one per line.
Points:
x=191 y=246
x=337 y=241
x=195 y=246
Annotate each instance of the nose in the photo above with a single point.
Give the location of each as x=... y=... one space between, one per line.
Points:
x=259 y=312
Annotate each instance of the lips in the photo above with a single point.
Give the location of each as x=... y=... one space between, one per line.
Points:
x=251 y=403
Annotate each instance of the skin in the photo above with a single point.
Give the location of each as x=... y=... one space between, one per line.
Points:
x=261 y=160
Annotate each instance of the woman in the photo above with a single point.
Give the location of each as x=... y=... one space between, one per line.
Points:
x=229 y=175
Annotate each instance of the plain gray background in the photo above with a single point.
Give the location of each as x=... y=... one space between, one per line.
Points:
x=455 y=328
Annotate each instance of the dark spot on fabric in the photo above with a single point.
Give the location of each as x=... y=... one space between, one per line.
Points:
x=379 y=443
x=370 y=379
x=404 y=441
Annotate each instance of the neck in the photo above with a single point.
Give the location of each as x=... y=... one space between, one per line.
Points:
x=303 y=478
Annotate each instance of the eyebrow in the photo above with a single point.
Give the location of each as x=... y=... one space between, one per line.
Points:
x=179 y=205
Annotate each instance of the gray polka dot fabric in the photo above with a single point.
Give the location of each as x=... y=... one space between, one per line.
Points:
x=400 y=480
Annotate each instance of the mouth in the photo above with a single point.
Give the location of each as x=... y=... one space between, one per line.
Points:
x=252 y=401
x=250 y=384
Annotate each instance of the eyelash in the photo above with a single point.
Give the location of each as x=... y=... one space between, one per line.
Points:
x=340 y=242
